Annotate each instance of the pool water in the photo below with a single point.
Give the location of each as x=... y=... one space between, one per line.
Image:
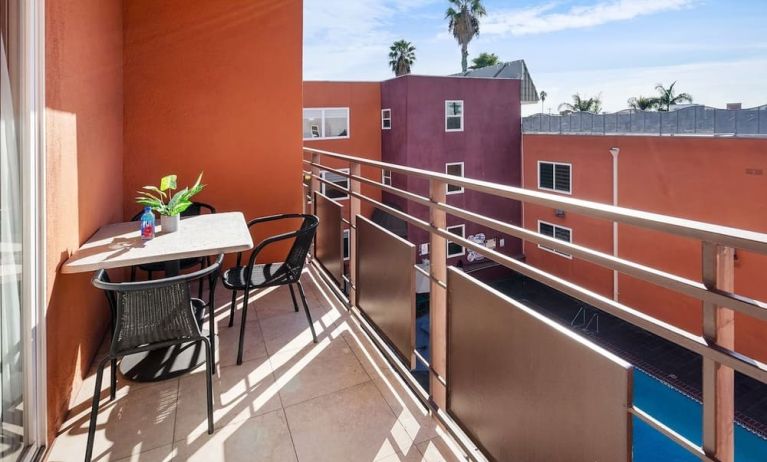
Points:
x=684 y=415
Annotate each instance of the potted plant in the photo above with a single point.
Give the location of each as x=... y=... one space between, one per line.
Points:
x=170 y=212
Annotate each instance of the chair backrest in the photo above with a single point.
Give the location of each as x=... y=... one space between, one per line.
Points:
x=193 y=210
x=152 y=312
x=300 y=249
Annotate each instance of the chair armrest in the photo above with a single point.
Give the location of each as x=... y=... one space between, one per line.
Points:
x=256 y=221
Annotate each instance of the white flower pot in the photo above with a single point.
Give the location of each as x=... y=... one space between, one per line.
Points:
x=169 y=224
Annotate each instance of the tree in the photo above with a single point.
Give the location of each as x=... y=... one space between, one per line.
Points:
x=668 y=97
x=643 y=103
x=401 y=57
x=543 y=96
x=484 y=60
x=580 y=104
x=463 y=16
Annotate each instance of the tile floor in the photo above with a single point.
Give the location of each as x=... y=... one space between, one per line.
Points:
x=291 y=400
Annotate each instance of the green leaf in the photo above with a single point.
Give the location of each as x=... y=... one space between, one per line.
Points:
x=154 y=189
x=168 y=182
x=173 y=202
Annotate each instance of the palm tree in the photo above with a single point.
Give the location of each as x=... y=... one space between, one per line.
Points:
x=643 y=103
x=580 y=104
x=401 y=57
x=463 y=16
x=484 y=60
x=543 y=96
x=667 y=97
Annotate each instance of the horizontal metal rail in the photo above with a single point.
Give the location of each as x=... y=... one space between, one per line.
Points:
x=698 y=290
x=713 y=292
x=722 y=235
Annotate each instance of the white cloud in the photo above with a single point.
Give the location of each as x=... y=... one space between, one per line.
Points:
x=544 y=18
x=341 y=37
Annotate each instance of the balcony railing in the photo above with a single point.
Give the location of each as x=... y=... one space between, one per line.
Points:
x=502 y=378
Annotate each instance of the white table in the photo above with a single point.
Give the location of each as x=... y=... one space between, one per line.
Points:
x=120 y=245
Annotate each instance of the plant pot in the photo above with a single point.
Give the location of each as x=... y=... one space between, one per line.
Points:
x=169 y=224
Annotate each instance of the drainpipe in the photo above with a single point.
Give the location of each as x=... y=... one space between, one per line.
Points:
x=614 y=153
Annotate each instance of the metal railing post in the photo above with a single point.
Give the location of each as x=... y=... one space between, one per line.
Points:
x=355 y=205
x=315 y=183
x=718 y=380
x=438 y=296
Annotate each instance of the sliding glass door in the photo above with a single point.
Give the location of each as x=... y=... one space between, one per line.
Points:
x=12 y=380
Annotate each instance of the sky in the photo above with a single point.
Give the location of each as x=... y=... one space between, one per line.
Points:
x=715 y=49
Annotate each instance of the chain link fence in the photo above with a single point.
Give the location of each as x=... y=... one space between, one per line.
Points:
x=693 y=120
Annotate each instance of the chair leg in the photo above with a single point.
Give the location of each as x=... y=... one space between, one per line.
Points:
x=113 y=384
x=231 y=308
x=199 y=288
x=212 y=332
x=293 y=296
x=306 y=310
x=209 y=382
x=242 y=326
x=94 y=411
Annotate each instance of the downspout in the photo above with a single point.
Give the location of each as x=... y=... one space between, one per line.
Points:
x=614 y=153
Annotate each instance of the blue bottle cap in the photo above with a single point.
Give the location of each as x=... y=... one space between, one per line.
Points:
x=147 y=209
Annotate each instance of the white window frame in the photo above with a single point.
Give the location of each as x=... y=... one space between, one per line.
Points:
x=346 y=249
x=554 y=177
x=386 y=177
x=384 y=118
x=554 y=226
x=324 y=187
x=463 y=173
x=463 y=111
x=322 y=123
x=463 y=235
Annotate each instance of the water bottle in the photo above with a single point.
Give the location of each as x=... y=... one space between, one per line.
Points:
x=147 y=224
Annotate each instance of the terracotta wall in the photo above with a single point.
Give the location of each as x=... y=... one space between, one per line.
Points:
x=139 y=89
x=215 y=87
x=364 y=102
x=716 y=180
x=84 y=133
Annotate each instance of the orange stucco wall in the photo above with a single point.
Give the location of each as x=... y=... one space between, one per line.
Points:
x=364 y=102
x=84 y=124
x=139 y=89
x=215 y=86
x=715 y=180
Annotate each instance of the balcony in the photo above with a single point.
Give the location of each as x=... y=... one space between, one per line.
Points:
x=290 y=400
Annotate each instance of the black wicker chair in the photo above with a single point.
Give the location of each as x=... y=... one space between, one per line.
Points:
x=197 y=208
x=149 y=315
x=259 y=276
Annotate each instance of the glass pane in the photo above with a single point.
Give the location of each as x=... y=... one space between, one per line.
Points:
x=453 y=108
x=336 y=123
x=452 y=247
x=12 y=441
x=312 y=123
x=455 y=169
x=562 y=178
x=562 y=234
x=546 y=176
x=546 y=229
x=453 y=123
x=335 y=178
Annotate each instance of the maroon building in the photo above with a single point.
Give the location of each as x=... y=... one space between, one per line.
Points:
x=462 y=126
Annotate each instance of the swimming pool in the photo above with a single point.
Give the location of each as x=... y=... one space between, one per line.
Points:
x=684 y=415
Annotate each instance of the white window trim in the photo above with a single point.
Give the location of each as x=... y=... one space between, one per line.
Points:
x=463 y=173
x=463 y=234
x=547 y=249
x=346 y=237
x=384 y=176
x=322 y=123
x=324 y=187
x=385 y=118
x=463 y=111
x=33 y=171
x=554 y=176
